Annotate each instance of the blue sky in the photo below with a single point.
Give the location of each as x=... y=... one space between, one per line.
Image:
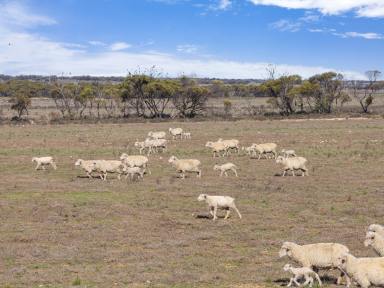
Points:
x=211 y=38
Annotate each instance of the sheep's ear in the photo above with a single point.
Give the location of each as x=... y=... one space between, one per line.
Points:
x=205 y=196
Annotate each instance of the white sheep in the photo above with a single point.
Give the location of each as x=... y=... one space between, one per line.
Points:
x=288 y=153
x=219 y=202
x=175 y=132
x=248 y=150
x=376 y=241
x=132 y=171
x=186 y=135
x=157 y=135
x=319 y=255
x=185 y=165
x=217 y=147
x=110 y=166
x=44 y=161
x=226 y=167
x=298 y=273
x=264 y=148
x=292 y=164
x=135 y=161
x=365 y=271
x=231 y=144
x=376 y=228
x=142 y=146
x=156 y=144
x=88 y=166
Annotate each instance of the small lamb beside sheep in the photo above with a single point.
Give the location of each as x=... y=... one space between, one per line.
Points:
x=219 y=202
x=44 y=161
x=186 y=135
x=377 y=228
x=225 y=168
x=298 y=273
x=288 y=153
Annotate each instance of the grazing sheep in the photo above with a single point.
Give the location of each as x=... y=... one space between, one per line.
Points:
x=288 y=153
x=264 y=149
x=226 y=167
x=156 y=144
x=376 y=228
x=292 y=164
x=231 y=144
x=319 y=255
x=135 y=161
x=44 y=161
x=132 y=171
x=142 y=146
x=185 y=165
x=176 y=132
x=186 y=135
x=219 y=202
x=365 y=271
x=157 y=135
x=110 y=166
x=88 y=166
x=217 y=147
x=298 y=273
x=375 y=240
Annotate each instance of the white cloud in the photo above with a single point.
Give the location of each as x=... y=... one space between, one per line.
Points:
x=187 y=48
x=286 y=25
x=362 y=8
x=118 y=46
x=224 y=4
x=97 y=43
x=369 y=35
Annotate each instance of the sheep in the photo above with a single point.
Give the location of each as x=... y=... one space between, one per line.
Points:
x=288 y=153
x=365 y=271
x=44 y=161
x=132 y=171
x=319 y=255
x=305 y=272
x=226 y=167
x=248 y=150
x=135 y=161
x=292 y=164
x=88 y=166
x=217 y=147
x=157 y=135
x=155 y=144
x=110 y=166
x=375 y=240
x=185 y=165
x=230 y=144
x=186 y=135
x=219 y=202
x=176 y=132
x=142 y=146
x=376 y=228
x=264 y=148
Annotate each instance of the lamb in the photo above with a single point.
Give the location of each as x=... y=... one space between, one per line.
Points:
x=375 y=240
x=319 y=255
x=135 y=161
x=185 y=165
x=88 y=166
x=186 y=135
x=219 y=202
x=248 y=150
x=132 y=171
x=110 y=166
x=305 y=272
x=44 y=161
x=226 y=167
x=292 y=164
x=288 y=153
x=231 y=144
x=376 y=228
x=176 y=132
x=142 y=146
x=265 y=149
x=157 y=135
x=217 y=147
x=365 y=271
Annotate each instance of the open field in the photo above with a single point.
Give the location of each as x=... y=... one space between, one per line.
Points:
x=59 y=229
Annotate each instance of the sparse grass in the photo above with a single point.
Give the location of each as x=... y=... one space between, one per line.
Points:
x=56 y=225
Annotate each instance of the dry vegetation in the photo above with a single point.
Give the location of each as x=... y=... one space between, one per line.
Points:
x=61 y=230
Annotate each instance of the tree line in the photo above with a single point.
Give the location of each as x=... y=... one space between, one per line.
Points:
x=150 y=96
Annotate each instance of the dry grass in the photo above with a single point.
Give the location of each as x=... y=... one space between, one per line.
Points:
x=59 y=230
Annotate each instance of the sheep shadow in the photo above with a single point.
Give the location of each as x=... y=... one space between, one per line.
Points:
x=326 y=279
x=208 y=216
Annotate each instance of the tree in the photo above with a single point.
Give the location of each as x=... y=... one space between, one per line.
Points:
x=281 y=93
x=21 y=92
x=365 y=92
x=190 y=99
x=218 y=89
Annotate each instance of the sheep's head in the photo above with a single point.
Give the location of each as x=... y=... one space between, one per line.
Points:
x=137 y=144
x=172 y=159
x=341 y=261
x=123 y=156
x=369 y=239
x=374 y=228
x=202 y=197
x=280 y=159
x=287 y=267
x=283 y=150
x=286 y=249
x=216 y=167
x=209 y=144
x=34 y=159
x=220 y=140
x=78 y=162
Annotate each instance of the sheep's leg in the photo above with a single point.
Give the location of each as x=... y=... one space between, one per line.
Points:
x=284 y=172
x=149 y=171
x=234 y=171
x=37 y=166
x=214 y=213
x=221 y=173
x=237 y=210
x=227 y=214
x=118 y=176
x=226 y=174
x=54 y=165
x=318 y=279
x=295 y=280
x=89 y=175
x=198 y=173
x=290 y=282
x=308 y=280
x=211 y=211
x=293 y=172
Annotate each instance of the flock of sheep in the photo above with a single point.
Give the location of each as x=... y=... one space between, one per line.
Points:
x=364 y=271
